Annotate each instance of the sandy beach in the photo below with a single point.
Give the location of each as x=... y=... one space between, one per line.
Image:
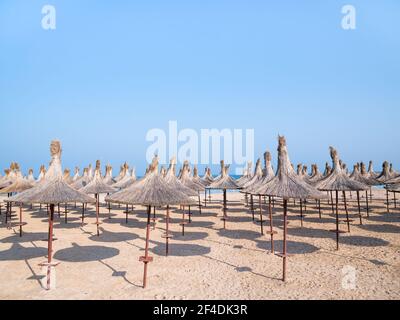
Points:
x=208 y=262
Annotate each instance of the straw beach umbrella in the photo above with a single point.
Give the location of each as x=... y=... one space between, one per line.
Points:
x=52 y=192
x=339 y=181
x=207 y=179
x=385 y=175
x=67 y=176
x=42 y=173
x=394 y=188
x=127 y=179
x=97 y=187
x=76 y=176
x=186 y=180
x=224 y=183
x=364 y=179
x=315 y=176
x=151 y=191
x=246 y=175
x=287 y=185
x=267 y=176
x=82 y=181
x=371 y=171
x=19 y=185
x=176 y=184
x=9 y=177
x=31 y=177
x=108 y=178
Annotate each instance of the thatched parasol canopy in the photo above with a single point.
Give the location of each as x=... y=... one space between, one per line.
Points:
x=208 y=178
x=42 y=174
x=246 y=175
x=225 y=182
x=82 y=181
x=258 y=174
x=338 y=179
x=268 y=174
x=18 y=185
x=385 y=175
x=196 y=178
x=76 y=176
x=363 y=175
x=287 y=184
x=175 y=183
x=31 y=177
x=315 y=177
x=128 y=178
x=6 y=181
x=152 y=190
x=371 y=172
x=97 y=185
x=108 y=178
x=54 y=190
x=67 y=176
x=187 y=181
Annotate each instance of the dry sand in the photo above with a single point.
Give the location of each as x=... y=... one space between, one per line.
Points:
x=208 y=263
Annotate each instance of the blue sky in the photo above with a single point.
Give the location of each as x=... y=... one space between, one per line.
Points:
x=113 y=70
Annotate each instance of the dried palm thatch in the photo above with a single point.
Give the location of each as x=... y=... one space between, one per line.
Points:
x=163 y=171
x=54 y=190
x=108 y=178
x=152 y=190
x=371 y=172
x=208 y=178
x=90 y=172
x=97 y=185
x=338 y=179
x=187 y=181
x=258 y=174
x=18 y=185
x=363 y=176
x=328 y=170
x=82 y=181
x=128 y=178
x=392 y=181
x=122 y=172
x=77 y=175
x=304 y=172
x=67 y=176
x=268 y=175
x=42 y=174
x=175 y=183
x=315 y=177
x=299 y=169
x=287 y=184
x=225 y=182
x=31 y=177
x=392 y=170
x=385 y=174
x=11 y=175
x=196 y=178
x=6 y=181
x=246 y=175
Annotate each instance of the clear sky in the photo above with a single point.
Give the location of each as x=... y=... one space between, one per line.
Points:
x=112 y=70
